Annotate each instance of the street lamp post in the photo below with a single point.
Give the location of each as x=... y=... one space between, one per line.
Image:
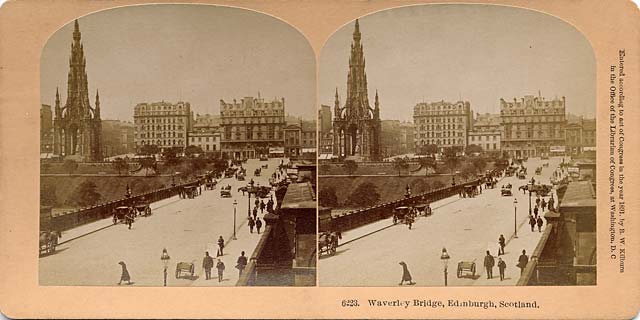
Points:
x=515 y=217
x=165 y=261
x=445 y=261
x=529 y=202
x=235 y=204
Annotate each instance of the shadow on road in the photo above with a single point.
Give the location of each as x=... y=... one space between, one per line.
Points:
x=338 y=252
x=52 y=253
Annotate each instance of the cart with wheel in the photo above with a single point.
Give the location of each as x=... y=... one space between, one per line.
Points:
x=187 y=267
x=143 y=209
x=466 y=266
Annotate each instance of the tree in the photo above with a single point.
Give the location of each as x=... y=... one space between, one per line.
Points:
x=365 y=195
x=473 y=148
x=192 y=150
x=428 y=149
x=149 y=163
x=198 y=164
x=328 y=197
x=400 y=164
x=427 y=163
x=479 y=164
x=70 y=166
x=350 y=166
x=451 y=159
x=85 y=194
x=119 y=165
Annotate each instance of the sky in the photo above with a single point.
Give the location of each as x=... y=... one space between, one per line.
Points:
x=194 y=53
x=475 y=53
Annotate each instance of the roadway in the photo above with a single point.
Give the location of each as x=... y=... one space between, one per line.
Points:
x=466 y=227
x=185 y=227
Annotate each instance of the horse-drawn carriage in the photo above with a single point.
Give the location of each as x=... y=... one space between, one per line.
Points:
x=257 y=172
x=538 y=170
x=403 y=215
x=522 y=175
x=490 y=183
x=328 y=242
x=506 y=190
x=262 y=191
x=123 y=213
x=470 y=191
x=191 y=191
x=264 y=166
x=225 y=192
x=142 y=209
x=48 y=241
x=229 y=172
x=424 y=209
x=210 y=185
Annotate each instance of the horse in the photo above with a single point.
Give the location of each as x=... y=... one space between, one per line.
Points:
x=243 y=189
x=49 y=239
x=328 y=242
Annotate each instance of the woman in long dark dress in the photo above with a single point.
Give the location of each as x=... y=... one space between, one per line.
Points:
x=125 y=274
x=406 y=276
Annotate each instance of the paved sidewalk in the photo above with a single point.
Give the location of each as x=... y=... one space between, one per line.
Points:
x=89 y=228
x=358 y=233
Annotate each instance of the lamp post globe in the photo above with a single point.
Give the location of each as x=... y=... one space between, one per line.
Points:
x=444 y=257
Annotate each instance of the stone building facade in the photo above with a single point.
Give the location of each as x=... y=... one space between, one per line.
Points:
x=486 y=132
x=532 y=126
x=580 y=136
x=443 y=124
x=251 y=126
x=163 y=124
x=77 y=126
x=208 y=139
x=356 y=126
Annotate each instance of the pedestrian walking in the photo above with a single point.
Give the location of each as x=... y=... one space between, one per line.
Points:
x=262 y=206
x=257 y=203
x=255 y=213
x=207 y=264
x=251 y=224
x=539 y=222
x=220 y=267
x=502 y=243
x=125 y=273
x=538 y=201
x=406 y=276
x=535 y=212
x=129 y=219
x=220 y=246
x=532 y=222
x=489 y=262
x=501 y=266
x=522 y=261
x=544 y=205
x=241 y=263
x=258 y=224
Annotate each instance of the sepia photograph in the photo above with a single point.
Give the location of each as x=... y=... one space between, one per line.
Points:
x=177 y=148
x=457 y=147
